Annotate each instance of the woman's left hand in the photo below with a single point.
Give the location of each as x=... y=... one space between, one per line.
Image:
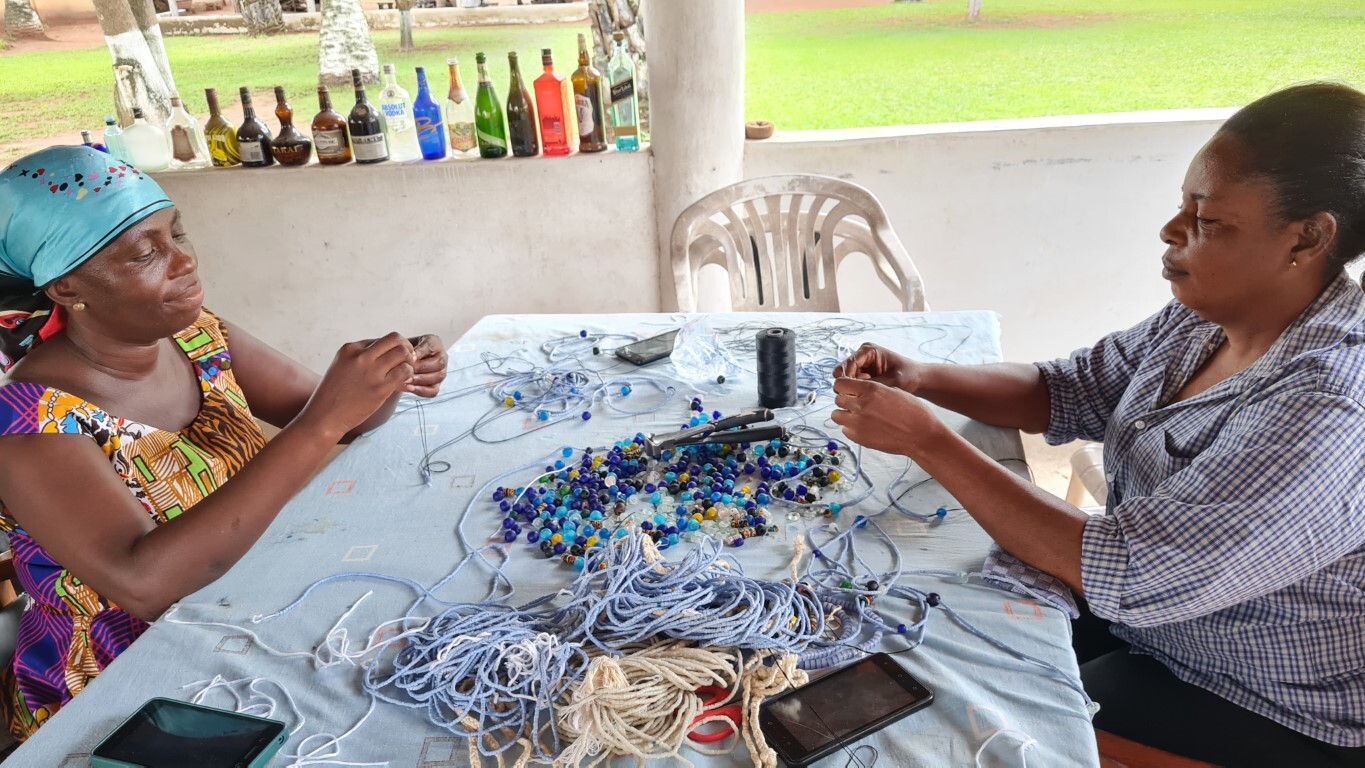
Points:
x=429 y=368
x=884 y=418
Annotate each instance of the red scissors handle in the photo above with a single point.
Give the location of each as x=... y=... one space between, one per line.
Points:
x=712 y=695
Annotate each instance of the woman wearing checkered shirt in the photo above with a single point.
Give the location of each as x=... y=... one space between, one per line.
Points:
x=1224 y=587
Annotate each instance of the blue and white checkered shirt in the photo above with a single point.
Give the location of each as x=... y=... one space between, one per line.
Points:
x=1233 y=548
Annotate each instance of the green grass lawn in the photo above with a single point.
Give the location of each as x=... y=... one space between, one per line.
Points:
x=885 y=65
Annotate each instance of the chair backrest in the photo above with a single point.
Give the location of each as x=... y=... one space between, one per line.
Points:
x=781 y=239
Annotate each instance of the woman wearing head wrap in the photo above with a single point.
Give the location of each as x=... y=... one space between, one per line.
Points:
x=120 y=380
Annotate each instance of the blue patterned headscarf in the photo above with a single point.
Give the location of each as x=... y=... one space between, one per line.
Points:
x=58 y=208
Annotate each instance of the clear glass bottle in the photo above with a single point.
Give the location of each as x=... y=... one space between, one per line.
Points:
x=220 y=134
x=113 y=139
x=460 y=115
x=188 y=147
x=426 y=113
x=624 y=103
x=149 y=148
x=397 y=109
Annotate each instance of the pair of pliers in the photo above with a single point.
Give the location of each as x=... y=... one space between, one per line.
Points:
x=711 y=696
x=720 y=431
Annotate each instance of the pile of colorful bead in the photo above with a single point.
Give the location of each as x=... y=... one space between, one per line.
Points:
x=723 y=491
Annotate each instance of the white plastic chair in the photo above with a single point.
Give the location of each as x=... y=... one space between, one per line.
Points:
x=781 y=239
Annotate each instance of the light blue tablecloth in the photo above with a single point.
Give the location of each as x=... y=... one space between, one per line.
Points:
x=370 y=511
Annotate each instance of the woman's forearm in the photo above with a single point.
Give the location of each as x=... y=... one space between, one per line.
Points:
x=1012 y=395
x=1029 y=523
x=190 y=552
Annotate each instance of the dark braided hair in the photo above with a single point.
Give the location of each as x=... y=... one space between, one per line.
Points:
x=1308 y=143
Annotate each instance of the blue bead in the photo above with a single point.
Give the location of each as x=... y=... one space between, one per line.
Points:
x=695 y=422
x=543 y=415
x=835 y=507
x=900 y=629
x=579 y=564
x=715 y=414
x=739 y=541
x=509 y=537
x=941 y=513
x=516 y=395
x=660 y=520
x=561 y=548
x=693 y=525
x=802 y=490
x=567 y=452
x=545 y=534
x=625 y=391
x=646 y=526
x=832 y=446
x=582 y=334
x=532 y=536
x=559 y=464
x=764 y=498
x=586 y=416
x=581 y=541
x=620 y=533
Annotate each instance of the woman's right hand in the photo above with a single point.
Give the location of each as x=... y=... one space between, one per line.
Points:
x=881 y=365
x=362 y=377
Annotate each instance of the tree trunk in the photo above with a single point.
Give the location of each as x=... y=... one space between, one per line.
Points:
x=344 y=44
x=263 y=17
x=142 y=74
x=22 y=21
x=405 y=30
x=973 y=10
x=608 y=16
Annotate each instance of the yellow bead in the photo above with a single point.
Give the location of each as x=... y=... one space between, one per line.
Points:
x=573 y=474
x=745 y=490
x=834 y=476
x=556 y=539
x=592 y=541
x=509 y=402
x=710 y=514
x=697 y=517
x=684 y=477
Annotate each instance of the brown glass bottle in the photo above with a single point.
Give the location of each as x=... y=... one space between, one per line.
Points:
x=587 y=96
x=289 y=147
x=330 y=137
x=521 y=114
x=253 y=137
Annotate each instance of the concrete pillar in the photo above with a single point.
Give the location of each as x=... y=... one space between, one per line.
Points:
x=695 y=51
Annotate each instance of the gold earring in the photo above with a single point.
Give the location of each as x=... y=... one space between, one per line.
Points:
x=78 y=306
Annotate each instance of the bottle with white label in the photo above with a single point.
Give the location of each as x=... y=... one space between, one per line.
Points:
x=397 y=108
x=587 y=91
x=367 y=129
x=460 y=115
x=148 y=147
x=188 y=147
x=253 y=136
x=625 y=116
x=331 y=140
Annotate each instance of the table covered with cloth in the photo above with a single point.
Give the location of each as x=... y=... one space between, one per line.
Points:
x=370 y=511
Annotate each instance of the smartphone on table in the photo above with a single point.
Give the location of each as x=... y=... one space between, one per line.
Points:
x=166 y=733
x=648 y=350
x=818 y=719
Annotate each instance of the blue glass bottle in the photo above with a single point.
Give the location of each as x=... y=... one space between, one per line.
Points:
x=431 y=134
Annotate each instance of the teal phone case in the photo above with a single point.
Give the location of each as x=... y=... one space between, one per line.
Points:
x=260 y=760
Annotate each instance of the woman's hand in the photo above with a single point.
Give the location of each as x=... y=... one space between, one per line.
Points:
x=881 y=417
x=361 y=379
x=881 y=365
x=430 y=369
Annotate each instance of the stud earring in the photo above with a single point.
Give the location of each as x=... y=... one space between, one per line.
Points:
x=78 y=306
x=1293 y=262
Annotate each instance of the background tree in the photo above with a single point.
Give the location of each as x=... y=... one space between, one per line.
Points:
x=405 y=24
x=22 y=21
x=263 y=17
x=973 y=10
x=344 y=44
x=609 y=16
x=142 y=74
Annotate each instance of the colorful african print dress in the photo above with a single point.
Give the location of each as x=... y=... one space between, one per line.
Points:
x=70 y=633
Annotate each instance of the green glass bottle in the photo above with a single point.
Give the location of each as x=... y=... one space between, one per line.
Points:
x=521 y=114
x=488 y=122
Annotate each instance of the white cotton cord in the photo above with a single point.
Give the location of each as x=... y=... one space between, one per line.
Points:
x=1026 y=743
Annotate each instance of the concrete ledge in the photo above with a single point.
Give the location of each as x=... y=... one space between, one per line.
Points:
x=425 y=18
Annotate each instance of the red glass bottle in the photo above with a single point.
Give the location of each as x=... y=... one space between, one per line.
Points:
x=550 y=103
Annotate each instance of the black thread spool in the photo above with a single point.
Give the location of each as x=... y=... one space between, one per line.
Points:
x=776 y=367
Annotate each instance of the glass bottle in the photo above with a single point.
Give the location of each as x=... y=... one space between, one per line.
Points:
x=426 y=113
x=330 y=136
x=290 y=147
x=459 y=114
x=554 y=128
x=488 y=122
x=521 y=114
x=367 y=129
x=397 y=108
x=253 y=136
x=113 y=139
x=624 y=103
x=188 y=148
x=87 y=140
x=587 y=94
x=149 y=149
x=221 y=135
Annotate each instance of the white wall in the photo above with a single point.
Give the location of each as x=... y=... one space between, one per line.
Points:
x=1050 y=222
x=308 y=258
